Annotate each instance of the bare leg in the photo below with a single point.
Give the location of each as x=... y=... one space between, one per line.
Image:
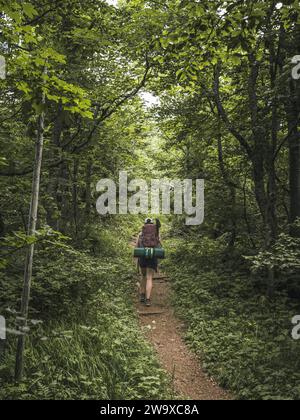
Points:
x=149 y=285
x=144 y=281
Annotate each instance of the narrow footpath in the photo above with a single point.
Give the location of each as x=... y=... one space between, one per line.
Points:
x=165 y=332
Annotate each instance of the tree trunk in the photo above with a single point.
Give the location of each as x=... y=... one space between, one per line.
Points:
x=75 y=195
x=88 y=193
x=63 y=198
x=31 y=231
x=53 y=183
x=2 y=226
x=231 y=187
x=294 y=156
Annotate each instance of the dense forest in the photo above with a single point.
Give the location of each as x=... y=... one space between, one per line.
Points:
x=173 y=89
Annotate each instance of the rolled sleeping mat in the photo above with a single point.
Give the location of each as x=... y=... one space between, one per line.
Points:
x=149 y=253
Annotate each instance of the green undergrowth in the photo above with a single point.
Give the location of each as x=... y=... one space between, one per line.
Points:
x=84 y=340
x=242 y=337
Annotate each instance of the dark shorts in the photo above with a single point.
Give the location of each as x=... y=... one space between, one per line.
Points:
x=148 y=263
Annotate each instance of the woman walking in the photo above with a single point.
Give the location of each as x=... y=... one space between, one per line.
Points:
x=148 y=238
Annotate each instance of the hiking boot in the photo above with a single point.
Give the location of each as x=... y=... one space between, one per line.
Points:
x=148 y=302
x=143 y=298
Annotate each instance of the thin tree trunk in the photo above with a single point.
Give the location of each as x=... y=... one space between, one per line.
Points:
x=231 y=186
x=294 y=156
x=247 y=222
x=31 y=231
x=53 y=183
x=88 y=179
x=75 y=195
x=272 y=185
x=2 y=226
x=63 y=196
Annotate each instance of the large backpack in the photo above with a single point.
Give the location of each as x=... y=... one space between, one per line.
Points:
x=149 y=237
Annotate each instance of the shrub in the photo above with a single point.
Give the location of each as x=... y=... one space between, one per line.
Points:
x=243 y=339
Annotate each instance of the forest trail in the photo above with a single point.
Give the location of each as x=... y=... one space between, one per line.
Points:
x=165 y=332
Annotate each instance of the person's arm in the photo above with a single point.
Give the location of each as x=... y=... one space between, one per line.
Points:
x=136 y=259
x=137 y=245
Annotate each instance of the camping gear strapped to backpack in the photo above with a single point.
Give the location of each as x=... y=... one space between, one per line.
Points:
x=149 y=253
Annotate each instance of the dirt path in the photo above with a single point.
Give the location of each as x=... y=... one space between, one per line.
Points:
x=165 y=332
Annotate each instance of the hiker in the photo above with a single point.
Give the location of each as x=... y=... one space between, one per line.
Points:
x=148 y=238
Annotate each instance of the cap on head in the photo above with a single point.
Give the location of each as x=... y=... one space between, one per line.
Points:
x=149 y=221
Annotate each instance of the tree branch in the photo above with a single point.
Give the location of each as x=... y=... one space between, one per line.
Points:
x=244 y=143
x=107 y=112
x=286 y=138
